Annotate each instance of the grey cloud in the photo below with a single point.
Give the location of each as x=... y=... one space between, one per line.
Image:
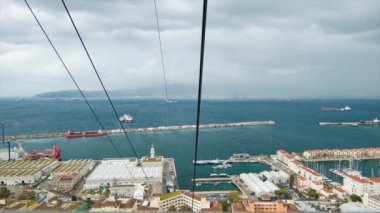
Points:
x=253 y=48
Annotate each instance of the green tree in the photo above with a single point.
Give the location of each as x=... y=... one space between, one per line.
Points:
x=225 y=206
x=172 y=208
x=291 y=181
x=185 y=208
x=280 y=192
x=355 y=198
x=27 y=195
x=312 y=193
x=234 y=197
x=4 y=192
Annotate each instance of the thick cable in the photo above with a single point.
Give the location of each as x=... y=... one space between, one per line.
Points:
x=104 y=89
x=76 y=85
x=162 y=55
x=204 y=19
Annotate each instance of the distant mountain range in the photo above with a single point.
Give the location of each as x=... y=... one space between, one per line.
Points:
x=175 y=92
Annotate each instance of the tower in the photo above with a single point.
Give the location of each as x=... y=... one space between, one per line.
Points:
x=152 y=151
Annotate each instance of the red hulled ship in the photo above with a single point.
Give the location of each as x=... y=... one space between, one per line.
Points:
x=84 y=134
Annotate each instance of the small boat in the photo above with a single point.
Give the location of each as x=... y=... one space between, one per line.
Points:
x=223 y=175
x=215 y=162
x=126 y=118
x=214 y=175
x=346 y=108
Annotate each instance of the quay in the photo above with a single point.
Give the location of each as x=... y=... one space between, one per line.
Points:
x=353 y=124
x=212 y=179
x=235 y=158
x=147 y=129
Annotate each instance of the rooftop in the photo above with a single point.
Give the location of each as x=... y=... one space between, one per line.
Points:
x=358 y=179
x=170 y=195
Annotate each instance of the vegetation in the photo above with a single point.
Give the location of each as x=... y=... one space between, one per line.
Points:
x=107 y=193
x=312 y=193
x=234 y=197
x=27 y=195
x=4 y=192
x=280 y=192
x=327 y=185
x=355 y=198
x=170 y=195
x=86 y=204
x=172 y=208
x=291 y=181
x=185 y=208
x=226 y=207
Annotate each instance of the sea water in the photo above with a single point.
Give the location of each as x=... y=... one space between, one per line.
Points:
x=296 y=129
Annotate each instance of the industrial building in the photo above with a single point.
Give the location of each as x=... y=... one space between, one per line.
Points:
x=9 y=154
x=25 y=172
x=125 y=176
x=69 y=173
x=258 y=186
x=276 y=177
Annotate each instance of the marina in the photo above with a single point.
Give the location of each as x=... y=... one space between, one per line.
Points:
x=148 y=129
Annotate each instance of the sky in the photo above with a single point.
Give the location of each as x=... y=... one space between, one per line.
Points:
x=254 y=49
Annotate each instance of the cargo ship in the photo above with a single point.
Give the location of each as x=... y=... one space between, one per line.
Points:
x=84 y=134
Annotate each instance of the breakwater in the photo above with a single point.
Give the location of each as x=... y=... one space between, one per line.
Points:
x=148 y=129
x=354 y=124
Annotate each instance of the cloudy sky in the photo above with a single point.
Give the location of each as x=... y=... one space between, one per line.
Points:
x=256 y=49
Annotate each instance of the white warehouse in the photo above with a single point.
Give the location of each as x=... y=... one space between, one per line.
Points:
x=258 y=186
x=276 y=177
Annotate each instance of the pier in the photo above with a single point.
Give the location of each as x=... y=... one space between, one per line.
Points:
x=353 y=124
x=148 y=129
x=212 y=179
x=248 y=159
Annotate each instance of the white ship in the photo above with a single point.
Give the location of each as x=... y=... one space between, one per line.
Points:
x=346 y=108
x=126 y=118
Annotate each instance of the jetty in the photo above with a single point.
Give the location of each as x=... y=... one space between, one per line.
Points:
x=234 y=158
x=353 y=123
x=147 y=129
x=211 y=179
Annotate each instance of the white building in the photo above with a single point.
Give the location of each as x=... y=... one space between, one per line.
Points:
x=123 y=172
x=25 y=172
x=258 y=186
x=310 y=174
x=356 y=185
x=372 y=200
x=276 y=177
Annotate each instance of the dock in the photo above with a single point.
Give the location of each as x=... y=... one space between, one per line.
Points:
x=353 y=123
x=212 y=179
x=148 y=129
x=250 y=159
